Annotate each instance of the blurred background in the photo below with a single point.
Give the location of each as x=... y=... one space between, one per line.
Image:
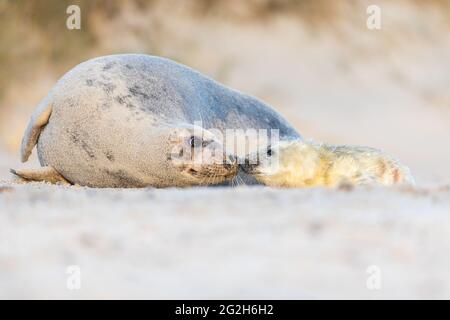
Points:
x=315 y=61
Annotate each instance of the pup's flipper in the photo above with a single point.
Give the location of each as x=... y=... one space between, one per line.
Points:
x=47 y=174
x=37 y=122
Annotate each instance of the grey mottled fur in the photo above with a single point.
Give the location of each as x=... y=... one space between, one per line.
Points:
x=108 y=117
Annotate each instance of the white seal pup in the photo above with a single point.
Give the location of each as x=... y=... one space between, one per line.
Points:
x=302 y=164
x=115 y=121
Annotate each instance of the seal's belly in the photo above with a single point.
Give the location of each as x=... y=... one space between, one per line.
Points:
x=95 y=151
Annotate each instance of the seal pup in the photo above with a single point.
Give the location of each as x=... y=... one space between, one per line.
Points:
x=112 y=122
x=302 y=164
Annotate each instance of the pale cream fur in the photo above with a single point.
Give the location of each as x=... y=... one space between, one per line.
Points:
x=307 y=164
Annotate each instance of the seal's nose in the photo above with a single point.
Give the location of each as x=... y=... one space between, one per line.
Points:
x=248 y=167
x=232 y=158
x=229 y=159
x=230 y=163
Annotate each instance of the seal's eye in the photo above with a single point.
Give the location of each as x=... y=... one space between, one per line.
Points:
x=269 y=152
x=195 y=142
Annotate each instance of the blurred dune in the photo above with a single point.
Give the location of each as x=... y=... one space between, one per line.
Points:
x=315 y=61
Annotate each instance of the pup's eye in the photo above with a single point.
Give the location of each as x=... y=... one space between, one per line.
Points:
x=269 y=152
x=195 y=142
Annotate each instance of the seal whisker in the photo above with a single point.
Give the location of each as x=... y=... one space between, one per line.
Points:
x=235 y=182
x=208 y=178
x=241 y=181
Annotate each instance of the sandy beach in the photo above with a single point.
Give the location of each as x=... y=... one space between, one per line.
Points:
x=218 y=243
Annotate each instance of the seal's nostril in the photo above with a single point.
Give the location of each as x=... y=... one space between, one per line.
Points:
x=246 y=167
x=229 y=159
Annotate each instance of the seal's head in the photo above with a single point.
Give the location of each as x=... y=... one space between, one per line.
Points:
x=197 y=157
x=300 y=163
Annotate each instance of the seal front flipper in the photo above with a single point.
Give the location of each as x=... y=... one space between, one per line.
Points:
x=47 y=174
x=37 y=122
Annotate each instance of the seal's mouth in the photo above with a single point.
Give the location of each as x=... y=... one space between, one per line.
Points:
x=212 y=173
x=249 y=168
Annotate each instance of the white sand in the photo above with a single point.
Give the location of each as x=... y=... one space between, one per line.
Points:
x=246 y=242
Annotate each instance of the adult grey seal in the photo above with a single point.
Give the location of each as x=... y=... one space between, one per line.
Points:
x=114 y=121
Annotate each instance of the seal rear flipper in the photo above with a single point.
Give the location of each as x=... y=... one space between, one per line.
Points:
x=38 y=120
x=46 y=174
